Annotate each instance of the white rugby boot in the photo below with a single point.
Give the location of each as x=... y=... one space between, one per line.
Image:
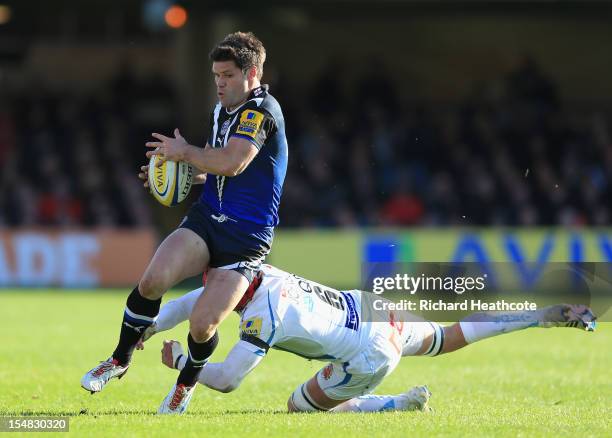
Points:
x=416 y=399
x=177 y=400
x=568 y=315
x=97 y=378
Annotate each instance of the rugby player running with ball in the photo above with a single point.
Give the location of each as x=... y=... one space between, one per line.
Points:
x=228 y=231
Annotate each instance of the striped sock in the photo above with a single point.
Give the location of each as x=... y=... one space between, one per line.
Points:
x=438 y=340
x=198 y=355
x=139 y=314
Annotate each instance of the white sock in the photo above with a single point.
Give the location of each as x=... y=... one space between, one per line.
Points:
x=371 y=403
x=485 y=325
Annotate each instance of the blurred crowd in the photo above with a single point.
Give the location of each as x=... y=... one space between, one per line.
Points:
x=72 y=160
x=511 y=153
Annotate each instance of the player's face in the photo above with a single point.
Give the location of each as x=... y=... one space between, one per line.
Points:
x=232 y=84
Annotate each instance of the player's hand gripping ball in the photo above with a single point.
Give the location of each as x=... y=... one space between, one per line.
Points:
x=169 y=182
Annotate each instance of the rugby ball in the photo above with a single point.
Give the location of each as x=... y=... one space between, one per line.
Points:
x=171 y=182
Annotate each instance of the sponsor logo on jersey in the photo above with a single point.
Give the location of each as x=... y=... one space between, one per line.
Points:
x=327 y=372
x=352 y=317
x=224 y=127
x=251 y=326
x=250 y=122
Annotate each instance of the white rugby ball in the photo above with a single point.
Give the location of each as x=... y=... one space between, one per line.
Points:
x=171 y=182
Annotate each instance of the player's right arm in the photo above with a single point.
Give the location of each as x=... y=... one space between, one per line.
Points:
x=242 y=143
x=224 y=376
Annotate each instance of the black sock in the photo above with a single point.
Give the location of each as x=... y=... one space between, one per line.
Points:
x=197 y=357
x=139 y=314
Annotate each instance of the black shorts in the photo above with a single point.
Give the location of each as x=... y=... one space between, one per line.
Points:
x=233 y=245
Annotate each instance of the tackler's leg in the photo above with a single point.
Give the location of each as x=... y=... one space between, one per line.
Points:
x=432 y=339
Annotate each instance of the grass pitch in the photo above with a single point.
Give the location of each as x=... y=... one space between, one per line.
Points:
x=555 y=382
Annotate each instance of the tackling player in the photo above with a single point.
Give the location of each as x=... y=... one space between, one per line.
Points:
x=229 y=230
x=285 y=312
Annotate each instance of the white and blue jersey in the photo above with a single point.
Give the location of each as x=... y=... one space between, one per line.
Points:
x=252 y=197
x=300 y=316
x=314 y=321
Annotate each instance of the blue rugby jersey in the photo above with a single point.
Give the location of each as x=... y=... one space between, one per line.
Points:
x=254 y=195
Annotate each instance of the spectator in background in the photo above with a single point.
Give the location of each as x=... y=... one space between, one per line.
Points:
x=403 y=207
x=510 y=153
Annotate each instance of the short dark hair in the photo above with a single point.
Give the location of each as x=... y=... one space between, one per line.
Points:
x=243 y=48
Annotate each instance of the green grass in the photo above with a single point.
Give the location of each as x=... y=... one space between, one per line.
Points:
x=533 y=383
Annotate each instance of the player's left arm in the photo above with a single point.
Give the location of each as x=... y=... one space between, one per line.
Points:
x=223 y=376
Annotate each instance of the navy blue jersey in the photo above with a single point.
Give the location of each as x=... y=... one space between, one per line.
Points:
x=254 y=195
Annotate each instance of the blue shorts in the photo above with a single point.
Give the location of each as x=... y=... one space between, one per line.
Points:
x=233 y=244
